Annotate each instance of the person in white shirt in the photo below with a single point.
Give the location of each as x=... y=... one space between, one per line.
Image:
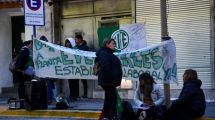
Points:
x=148 y=97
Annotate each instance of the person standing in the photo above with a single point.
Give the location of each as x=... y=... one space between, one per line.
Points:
x=109 y=77
x=73 y=83
x=191 y=101
x=49 y=81
x=24 y=68
x=82 y=45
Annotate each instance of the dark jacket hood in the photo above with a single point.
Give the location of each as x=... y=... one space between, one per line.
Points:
x=83 y=43
x=103 y=48
x=195 y=82
x=83 y=46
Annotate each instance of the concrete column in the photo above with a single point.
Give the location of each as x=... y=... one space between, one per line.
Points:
x=56 y=13
x=5 y=51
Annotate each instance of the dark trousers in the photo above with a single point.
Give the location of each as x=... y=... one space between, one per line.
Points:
x=110 y=102
x=84 y=82
x=21 y=87
x=21 y=78
x=177 y=113
x=74 y=88
x=50 y=85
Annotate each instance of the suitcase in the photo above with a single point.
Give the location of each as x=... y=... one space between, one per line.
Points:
x=36 y=95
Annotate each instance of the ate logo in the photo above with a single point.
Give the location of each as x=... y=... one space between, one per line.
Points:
x=34 y=4
x=122 y=39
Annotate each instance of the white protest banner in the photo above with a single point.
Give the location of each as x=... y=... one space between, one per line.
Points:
x=56 y=61
x=128 y=37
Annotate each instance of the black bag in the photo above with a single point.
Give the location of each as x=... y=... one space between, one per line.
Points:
x=36 y=95
x=12 y=65
x=127 y=113
x=96 y=67
x=153 y=113
x=61 y=105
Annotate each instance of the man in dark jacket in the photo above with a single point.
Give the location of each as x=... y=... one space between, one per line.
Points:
x=191 y=101
x=82 y=45
x=23 y=65
x=109 y=77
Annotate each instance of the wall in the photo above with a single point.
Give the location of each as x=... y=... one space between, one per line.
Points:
x=5 y=50
x=47 y=29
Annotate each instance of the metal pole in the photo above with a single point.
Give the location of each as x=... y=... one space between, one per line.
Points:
x=34 y=31
x=164 y=34
x=164 y=29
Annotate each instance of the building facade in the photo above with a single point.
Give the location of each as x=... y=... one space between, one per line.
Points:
x=190 y=23
x=10 y=12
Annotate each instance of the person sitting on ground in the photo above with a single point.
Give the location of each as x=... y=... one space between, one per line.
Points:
x=148 y=97
x=191 y=101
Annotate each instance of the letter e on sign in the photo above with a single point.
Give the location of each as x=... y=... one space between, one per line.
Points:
x=34 y=4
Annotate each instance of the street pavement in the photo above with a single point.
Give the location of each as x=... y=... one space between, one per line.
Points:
x=83 y=109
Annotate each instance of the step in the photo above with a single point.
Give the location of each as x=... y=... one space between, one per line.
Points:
x=94 y=115
x=8 y=92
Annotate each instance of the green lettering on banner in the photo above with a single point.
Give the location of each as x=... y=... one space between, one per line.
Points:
x=78 y=59
x=38 y=45
x=66 y=70
x=51 y=49
x=124 y=73
x=156 y=75
x=38 y=63
x=47 y=63
x=126 y=62
x=78 y=71
x=174 y=70
x=88 y=60
x=72 y=69
x=58 y=70
x=137 y=63
x=39 y=56
x=58 y=60
x=64 y=59
x=170 y=72
x=130 y=73
x=84 y=70
x=157 y=60
x=145 y=57
x=167 y=73
x=135 y=74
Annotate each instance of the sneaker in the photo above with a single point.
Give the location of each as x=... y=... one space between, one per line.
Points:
x=105 y=119
x=142 y=115
x=85 y=97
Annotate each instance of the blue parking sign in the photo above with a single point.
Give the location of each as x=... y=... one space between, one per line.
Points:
x=34 y=12
x=34 y=4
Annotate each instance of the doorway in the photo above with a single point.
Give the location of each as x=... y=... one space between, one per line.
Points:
x=18 y=30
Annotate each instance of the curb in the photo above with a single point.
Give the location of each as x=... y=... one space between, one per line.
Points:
x=51 y=113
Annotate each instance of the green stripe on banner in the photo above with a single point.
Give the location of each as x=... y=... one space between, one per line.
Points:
x=104 y=32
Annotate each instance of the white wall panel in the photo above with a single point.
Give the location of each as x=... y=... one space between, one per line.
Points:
x=189 y=26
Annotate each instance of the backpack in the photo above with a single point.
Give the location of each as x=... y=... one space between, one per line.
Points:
x=61 y=105
x=12 y=65
x=127 y=113
x=96 y=67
